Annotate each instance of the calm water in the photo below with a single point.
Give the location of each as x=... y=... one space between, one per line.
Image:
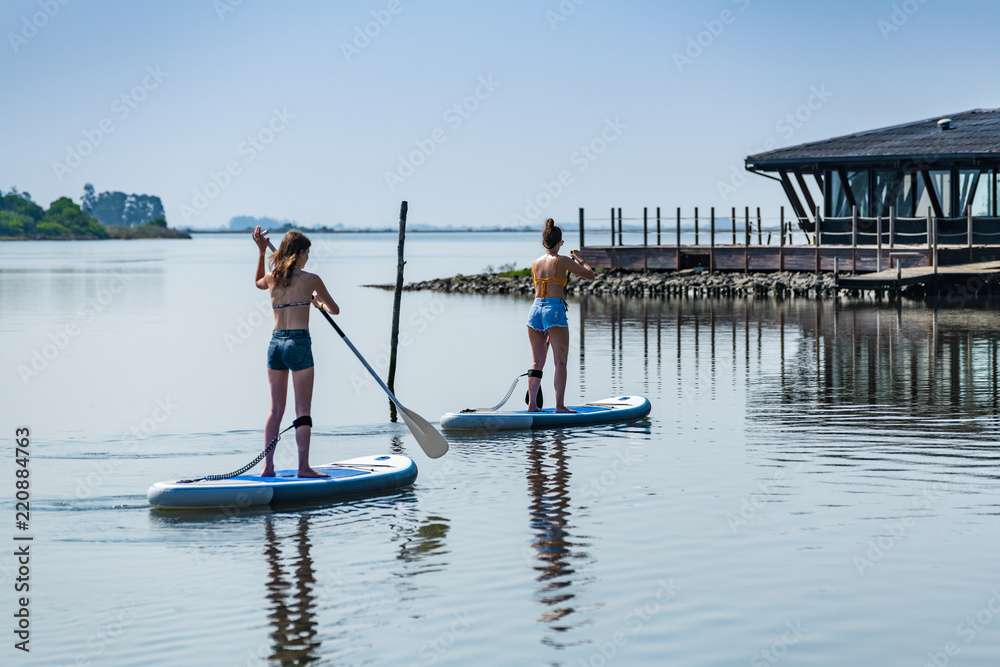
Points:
x=817 y=483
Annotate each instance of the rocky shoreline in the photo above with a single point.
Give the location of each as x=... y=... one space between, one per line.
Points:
x=689 y=282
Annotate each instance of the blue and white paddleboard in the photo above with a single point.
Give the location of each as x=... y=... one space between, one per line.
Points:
x=604 y=411
x=363 y=475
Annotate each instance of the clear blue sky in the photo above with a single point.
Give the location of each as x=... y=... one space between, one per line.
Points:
x=199 y=78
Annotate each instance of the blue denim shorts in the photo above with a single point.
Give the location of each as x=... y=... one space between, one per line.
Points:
x=290 y=350
x=547 y=313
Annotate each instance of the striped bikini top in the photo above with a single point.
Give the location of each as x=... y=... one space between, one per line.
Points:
x=286 y=305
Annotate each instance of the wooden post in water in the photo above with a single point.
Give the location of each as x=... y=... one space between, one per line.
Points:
x=711 y=243
x=878 y=243
x=930 y=257
x=892 y=229
x=612 y=226
x=581 y=228
x=394 y=339
x=658 y=226
x=746 y=242
x=619 y=226
x=968 y=214
x=678 y=238
x=854 y=239
x=733 y=220
x=760 y=234
x=781 y=242
x=818 y=223
x=645 y=226
x=696 y=225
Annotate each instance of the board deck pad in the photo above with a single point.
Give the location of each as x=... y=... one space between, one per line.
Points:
x=604 y=411
x=353 y=477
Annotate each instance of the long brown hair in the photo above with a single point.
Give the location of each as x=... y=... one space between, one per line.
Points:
x=284 y=259
x=551 y=235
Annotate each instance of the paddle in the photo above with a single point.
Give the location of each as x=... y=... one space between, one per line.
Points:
x=432 y=442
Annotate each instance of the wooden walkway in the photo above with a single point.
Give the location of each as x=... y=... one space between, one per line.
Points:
x=769 y=258
x=921 y=275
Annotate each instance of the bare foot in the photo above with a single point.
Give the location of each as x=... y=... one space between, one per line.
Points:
x=309 y=472
x=534 y=410
x=565 y=409
x=268 y=472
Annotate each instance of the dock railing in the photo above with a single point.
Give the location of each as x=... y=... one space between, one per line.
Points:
x=874 y=239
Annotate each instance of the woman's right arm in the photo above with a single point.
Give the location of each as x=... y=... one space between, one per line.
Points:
x=260 y=279
x=579 y=267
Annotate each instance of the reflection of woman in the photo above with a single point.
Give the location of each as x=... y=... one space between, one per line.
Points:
x=547 y=321
x=292 y=291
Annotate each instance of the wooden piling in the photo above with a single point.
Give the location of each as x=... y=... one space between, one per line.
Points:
x=581 y=228
x=394 y=338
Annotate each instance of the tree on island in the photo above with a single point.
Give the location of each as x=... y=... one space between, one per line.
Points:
x=21 y=217
x=120 y=209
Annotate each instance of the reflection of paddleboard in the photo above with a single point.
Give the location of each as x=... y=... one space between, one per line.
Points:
x=363 y=475
x=607 y=410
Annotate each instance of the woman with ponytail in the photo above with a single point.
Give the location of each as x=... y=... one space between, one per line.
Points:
x=292 y=292
x=547 y=321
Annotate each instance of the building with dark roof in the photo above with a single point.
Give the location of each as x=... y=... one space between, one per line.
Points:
x=945 y=165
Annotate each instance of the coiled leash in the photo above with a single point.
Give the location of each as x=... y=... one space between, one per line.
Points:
x=530 y=373
x=301 y=421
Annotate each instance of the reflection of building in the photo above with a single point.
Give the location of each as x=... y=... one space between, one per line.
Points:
x=944 y=164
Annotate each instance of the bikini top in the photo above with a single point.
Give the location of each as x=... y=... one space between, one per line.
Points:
x=544 y=281
x=286 y=305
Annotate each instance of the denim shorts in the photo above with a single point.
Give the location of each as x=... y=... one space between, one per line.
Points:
x=290 y=350
x=547 y=313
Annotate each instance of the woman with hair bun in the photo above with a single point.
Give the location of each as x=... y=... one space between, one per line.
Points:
x=292 y=292
x=547 y=321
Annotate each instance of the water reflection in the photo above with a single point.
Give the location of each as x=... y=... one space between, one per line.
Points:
x=292 y=603
x=916 y=377
x=548 y=491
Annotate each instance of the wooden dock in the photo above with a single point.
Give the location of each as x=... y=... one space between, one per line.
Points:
x=923 y=275
x=769 y=258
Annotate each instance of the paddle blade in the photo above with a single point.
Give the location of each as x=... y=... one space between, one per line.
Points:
x=432 y=442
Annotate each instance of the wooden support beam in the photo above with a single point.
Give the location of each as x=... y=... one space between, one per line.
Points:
x=793 y=198
x=846 y=185
x=805 y=193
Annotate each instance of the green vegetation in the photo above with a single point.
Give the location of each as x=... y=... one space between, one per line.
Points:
x=20 y=217
x=514 y=273
x=156 y=229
